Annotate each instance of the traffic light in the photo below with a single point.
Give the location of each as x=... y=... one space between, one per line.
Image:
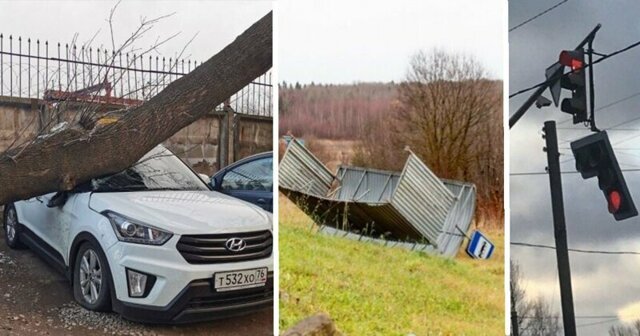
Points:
x=574 y=81
x=594 y=157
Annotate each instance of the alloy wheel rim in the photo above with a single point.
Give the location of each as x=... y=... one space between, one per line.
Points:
x=90 y=276
x=11 y=224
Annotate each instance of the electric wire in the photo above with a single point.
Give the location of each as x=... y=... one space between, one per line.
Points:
x=566 y=172
x=551 y=247
x=586 y=317
x=596 y=323
x=537 y=15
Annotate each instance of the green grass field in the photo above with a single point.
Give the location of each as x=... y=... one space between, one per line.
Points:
x=369 y=289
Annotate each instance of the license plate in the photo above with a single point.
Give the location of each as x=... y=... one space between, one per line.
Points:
x=233 y=280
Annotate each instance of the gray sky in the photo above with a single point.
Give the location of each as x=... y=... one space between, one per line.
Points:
x=347 y=41
x=217 y=23
x=603 y=285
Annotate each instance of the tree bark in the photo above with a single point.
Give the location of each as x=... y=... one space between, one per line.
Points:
x=72 y=156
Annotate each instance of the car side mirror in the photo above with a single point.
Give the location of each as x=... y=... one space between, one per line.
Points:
x=58 y=200
x=218 y=182
x=205 y=178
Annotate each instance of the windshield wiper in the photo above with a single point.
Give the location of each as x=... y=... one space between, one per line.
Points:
x=120 y=188
x=163 y=189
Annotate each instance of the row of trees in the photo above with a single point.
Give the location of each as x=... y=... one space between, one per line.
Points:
x=332 y=111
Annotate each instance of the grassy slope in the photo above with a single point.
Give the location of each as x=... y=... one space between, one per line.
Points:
x=369 y=289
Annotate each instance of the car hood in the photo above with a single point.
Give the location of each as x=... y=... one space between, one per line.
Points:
x=185 y=212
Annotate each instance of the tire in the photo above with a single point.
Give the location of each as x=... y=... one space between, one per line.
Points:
x=92 y=278
x=12 y=227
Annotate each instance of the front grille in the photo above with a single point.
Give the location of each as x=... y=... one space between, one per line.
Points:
x=210 y=249
x=231 y=298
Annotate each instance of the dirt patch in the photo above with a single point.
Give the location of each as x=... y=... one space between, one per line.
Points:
x=37 y=300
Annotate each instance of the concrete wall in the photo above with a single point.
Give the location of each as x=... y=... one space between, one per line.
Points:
x=254 y=135
x=203 y=144
x=18 y=119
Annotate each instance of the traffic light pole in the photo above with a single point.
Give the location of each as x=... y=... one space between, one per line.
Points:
x=514 y=316
x=592 y=119
x=560 y=230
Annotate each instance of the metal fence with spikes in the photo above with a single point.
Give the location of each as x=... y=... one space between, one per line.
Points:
x=34 y=69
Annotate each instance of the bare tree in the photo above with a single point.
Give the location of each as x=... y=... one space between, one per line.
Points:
x=534 y=317
x=441 y=109
x=77 y=152
x=520 y=308
x=626 y=330
x=450 y=115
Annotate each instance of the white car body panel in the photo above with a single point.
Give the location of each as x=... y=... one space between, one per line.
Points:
x=185 y=212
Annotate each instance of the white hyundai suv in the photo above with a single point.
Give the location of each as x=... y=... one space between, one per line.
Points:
x=152 y=243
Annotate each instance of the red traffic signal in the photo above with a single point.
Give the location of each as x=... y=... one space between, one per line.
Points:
x=615 y=201
x=595 y=157
x=572 y=58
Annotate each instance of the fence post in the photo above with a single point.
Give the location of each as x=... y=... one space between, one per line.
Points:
x=237 y=118
x=223 y=145
x=230 y=117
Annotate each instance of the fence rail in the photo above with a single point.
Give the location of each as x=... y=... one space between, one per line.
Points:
x=65 y=71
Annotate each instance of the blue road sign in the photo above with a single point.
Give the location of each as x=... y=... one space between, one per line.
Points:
x=479 y=246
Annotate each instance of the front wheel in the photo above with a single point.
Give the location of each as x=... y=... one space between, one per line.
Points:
x=12 y=227
x=91 y=278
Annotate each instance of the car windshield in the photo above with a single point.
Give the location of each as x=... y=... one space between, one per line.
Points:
x=157 y=170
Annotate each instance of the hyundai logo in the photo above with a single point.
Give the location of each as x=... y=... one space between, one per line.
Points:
x=235 y=244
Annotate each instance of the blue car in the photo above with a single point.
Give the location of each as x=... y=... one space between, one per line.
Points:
x=249 y=179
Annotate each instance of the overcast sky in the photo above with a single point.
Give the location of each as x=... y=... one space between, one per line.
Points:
x=603 y=285
x=216 y=23
x=348 y=41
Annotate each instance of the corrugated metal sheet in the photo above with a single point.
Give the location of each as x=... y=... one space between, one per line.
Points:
x=459 y=218
x=423 y=199
x=301 y=171
x=413 y=206
x=366 y=185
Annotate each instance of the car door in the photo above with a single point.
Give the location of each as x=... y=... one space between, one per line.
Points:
x=252 y=182
x=36 y=215
x=50 y=224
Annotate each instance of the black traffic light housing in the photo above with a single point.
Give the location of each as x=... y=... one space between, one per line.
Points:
x=595 y=157
x=576 y=82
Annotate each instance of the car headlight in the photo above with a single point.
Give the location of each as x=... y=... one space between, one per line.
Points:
x=132 y=231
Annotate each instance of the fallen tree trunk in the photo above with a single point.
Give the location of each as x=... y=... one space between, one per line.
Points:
x=74 y=155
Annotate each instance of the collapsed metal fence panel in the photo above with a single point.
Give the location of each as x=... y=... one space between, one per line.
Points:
x=459 y=218
x=423 y=199
x=413 y=206
x=365 y=185
x=301 y=171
